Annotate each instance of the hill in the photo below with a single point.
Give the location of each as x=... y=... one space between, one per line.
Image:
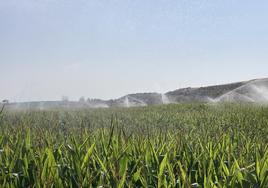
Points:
x=255 y=91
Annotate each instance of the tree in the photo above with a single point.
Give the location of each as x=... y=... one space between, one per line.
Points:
x=82 y=100
x=5 y=101
x=3 y=106
x=65 y=99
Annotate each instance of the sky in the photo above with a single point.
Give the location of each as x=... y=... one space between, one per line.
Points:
x=109 y=48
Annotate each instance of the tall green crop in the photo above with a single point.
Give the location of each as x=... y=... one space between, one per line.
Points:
x=184 y=145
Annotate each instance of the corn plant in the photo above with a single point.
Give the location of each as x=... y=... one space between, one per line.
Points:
x=183 y=145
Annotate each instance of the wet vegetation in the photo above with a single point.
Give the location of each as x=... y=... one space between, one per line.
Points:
x=178 y=145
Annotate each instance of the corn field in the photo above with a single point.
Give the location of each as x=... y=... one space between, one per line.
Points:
x=178 y=145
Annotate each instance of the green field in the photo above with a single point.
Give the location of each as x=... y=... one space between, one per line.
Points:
x=183 y=145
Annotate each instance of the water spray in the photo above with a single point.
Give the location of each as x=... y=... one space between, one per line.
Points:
x=126 y=102
x=165 y=99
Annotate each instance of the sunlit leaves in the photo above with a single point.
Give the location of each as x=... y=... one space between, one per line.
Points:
x=187 y=145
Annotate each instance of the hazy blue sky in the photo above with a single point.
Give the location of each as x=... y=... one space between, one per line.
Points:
x=108 y=48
